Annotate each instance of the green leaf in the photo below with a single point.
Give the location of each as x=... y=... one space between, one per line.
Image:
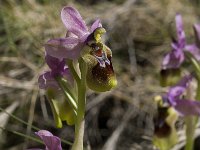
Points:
x=51 y=96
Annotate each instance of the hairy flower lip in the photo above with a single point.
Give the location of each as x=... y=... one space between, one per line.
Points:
x=162 y=129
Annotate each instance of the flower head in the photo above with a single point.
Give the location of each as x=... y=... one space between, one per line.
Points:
x=81 y=41
x=176 y=57
x=172 y=61
x=182 y=105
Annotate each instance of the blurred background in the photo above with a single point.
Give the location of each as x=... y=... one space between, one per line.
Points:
x=138 y=32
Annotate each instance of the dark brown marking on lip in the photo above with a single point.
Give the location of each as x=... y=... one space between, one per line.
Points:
x=162 y=129
x=98 y=53
x=102 y=74
x=97 y=49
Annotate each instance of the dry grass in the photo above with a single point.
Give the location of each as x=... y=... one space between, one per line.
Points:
x=137 y=31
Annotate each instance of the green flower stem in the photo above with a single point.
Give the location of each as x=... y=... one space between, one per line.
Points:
x=195 y=64
x=191 y=121
x=67 y=93
x=190 y=128
x=198 y=90
x=73 y=71
x=65 y=86
x=79 y=126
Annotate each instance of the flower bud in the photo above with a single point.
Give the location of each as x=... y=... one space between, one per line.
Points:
x=60 y=108
x=169 y=77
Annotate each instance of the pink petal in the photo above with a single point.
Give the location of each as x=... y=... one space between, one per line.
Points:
x=179 y=88
x=70 y=34
x=194 y=50
x=73 y=21
x=176 y=91
x=46 y=80
x=95 y=25
x=52 y=142
x=54 y=63
x=64 y=48
x=179 y=30
x=173 y=59
x=187 y=107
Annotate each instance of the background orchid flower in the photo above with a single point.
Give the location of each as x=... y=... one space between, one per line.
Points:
x=57 y=68
x=175 y=57
x=169 y=107
x=182 y=105
x=170 y=73
x=51 y=142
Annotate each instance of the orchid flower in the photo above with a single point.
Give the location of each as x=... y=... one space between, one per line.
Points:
x=89 y=61
x=170 y=106
x=51 y=142
x=84 y=42
x=176 y=56
x=172 y=61
x=175 y=99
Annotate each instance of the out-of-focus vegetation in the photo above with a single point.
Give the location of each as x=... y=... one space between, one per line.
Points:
x=138 y=32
